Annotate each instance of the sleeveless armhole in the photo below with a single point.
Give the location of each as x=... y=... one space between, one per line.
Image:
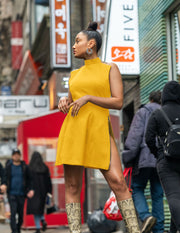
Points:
x=111 y=134
x=72 y=74
x=108 y=70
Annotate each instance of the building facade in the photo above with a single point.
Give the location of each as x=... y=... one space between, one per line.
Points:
x=159 y=33
x=159 y=49
x=159 y=29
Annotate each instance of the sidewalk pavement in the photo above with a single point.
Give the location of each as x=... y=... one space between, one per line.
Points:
x=4 y=228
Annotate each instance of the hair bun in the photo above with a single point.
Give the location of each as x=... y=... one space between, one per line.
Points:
x=92 y=26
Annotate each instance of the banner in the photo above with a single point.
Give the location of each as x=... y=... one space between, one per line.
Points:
x=16 y=44
x=60 y=34
x=99 y=11
x=121 y=41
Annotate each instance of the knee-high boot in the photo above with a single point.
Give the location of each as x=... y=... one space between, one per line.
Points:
x=129 y=215
x=73 y=211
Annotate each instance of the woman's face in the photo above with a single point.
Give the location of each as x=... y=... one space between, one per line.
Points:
x=80 y=46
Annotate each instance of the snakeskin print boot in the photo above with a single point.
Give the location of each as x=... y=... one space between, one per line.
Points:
x=129 y=215
x=73 y=211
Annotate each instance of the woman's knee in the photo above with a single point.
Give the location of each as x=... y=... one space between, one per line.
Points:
x=118 y=185
x=73 y=188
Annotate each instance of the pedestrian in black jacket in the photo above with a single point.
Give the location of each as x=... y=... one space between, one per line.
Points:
x=168 y=168
x=137 y=154
x=18 y=180
x=42 y=186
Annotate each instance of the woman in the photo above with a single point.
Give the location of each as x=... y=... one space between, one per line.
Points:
x=42 y=186
x=86 y=137
x=168 y=168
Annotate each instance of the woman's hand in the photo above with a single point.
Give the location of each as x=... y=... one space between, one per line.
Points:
x=76 y=105
x=63 y=105
x=3 y=188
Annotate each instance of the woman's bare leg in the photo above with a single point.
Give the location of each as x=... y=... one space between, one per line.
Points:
x=117 y=183
x=73 y=184
x=114 y=175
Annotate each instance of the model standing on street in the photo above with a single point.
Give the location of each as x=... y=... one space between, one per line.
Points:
x=86 y=137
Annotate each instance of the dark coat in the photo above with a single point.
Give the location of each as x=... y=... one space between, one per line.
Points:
x=41 y=185
x=136 y=152
x=157 y=125
x=27 y=177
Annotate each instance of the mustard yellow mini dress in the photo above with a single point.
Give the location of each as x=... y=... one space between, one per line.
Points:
x=84 y=140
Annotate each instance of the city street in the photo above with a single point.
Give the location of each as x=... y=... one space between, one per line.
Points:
x=4 y=228
x=82 y=86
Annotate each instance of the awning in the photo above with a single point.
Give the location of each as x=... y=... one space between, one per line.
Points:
x=41 y=48
x=27 y=82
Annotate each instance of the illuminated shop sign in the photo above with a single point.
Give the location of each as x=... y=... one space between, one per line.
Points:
x=60 y=34
x=121 y=42
x=23 y=105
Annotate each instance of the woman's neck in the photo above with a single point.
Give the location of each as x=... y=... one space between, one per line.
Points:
x=93 y=56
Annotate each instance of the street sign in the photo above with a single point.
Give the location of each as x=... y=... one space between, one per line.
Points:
x=60 y=34
x=121 y=41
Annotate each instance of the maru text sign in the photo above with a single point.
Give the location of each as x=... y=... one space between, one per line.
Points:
x=23 y=105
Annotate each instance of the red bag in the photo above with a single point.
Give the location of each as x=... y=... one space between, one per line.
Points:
x=111 y=209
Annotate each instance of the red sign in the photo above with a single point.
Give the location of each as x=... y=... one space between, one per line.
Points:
x=27 y=81
x=60 y=33
x=99 y=10
x=16 y=44
x=122 y=54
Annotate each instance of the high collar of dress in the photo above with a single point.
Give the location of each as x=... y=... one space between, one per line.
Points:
x=92 y=61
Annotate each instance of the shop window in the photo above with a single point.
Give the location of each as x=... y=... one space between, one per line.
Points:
x=176 y=51
x=173 y=32
x=37 y=12
x=40 y=12
x=178 y=45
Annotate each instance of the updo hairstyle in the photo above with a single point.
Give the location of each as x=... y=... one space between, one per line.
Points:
x=92 y=33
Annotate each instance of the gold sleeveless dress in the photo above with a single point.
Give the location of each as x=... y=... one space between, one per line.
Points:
x=84 y=140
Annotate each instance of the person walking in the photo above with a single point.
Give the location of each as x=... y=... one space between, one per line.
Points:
x=2 y=179
x=2 y=191
x=86 y=138
x=168 y=167
x=19 y=185
x=42 y=185
x=137 y=154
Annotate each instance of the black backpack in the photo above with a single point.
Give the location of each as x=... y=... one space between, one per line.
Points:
x=171 y=142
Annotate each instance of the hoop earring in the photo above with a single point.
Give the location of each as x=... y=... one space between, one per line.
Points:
x=89 y=51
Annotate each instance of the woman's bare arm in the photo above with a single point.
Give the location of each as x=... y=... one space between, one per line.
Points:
x=116 y=100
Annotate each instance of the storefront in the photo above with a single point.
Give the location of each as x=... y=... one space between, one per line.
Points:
x=41 y=134
x=159 y=29
x=173 y=39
